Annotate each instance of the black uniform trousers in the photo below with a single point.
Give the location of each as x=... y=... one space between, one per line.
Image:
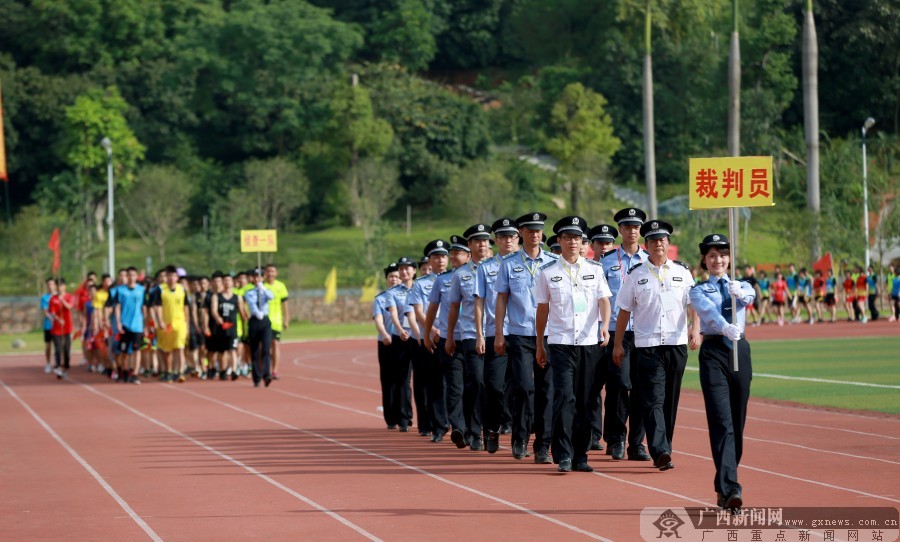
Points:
x=437 y=388
x=660 y=369
x=495 y=369
x=596 y=398
x=532 y=392
x=725 y=394
x=260 y=334
x=384 y=365
x=574 y=371
x=464 y=385
x=873 y=309
x=420 y=384
x=623 y=399
x=399 y=394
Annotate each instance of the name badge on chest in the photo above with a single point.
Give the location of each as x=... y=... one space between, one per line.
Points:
x=579 y=302
x=669 y=300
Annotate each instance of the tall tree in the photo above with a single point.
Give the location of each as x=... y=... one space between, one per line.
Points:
x=811 y=117
x=649 y=139
x=734 y=84
x=582 y=137
x=157 y=205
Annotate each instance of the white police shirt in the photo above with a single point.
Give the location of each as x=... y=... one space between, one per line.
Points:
x=572 y=292
x=657 y=298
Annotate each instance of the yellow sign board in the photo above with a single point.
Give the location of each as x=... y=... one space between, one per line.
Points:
x=259 y=240
x=742 y=181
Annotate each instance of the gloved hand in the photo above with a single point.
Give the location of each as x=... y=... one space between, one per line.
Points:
x=732 y=332
x=734 y=288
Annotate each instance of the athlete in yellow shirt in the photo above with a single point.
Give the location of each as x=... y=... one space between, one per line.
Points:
x=172 y=314
x=279 y=312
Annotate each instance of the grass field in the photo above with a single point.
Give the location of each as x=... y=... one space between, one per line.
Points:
x=869 y=360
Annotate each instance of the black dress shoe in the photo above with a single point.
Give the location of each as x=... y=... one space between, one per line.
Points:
x=638 y=453
x=267 y=380
x=424 y=433
x=493 y=442
x=734 y=501
x=662 y=460
x=392 y=426
x=667 y=466
x=541 y=457
x=404 y=429
x=583 y=467
x=720 y=500
x=617 y=450
x=476 y=445
x=437 y=437
x=518 y=449
x=595 y=445
x=458 y=438
x=565 y=465
x=506 y=429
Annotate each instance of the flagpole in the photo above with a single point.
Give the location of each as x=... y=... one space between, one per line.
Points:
x=732 y=234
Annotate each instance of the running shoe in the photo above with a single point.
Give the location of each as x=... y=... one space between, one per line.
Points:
x=48 y=369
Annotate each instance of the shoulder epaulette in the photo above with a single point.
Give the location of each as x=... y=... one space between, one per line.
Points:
x=546 y=265
x=510 y=255
x=447 y=272
x=592 y=262
x=608 y=252
x=381 y=292
x=682 y=264
x=552 y=255
x=424 y=277
x=635 y=266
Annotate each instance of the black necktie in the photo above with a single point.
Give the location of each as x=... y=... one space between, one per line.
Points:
x=726 y=301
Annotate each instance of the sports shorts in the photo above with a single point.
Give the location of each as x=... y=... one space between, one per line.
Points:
x=174 y=339
x=129 y=342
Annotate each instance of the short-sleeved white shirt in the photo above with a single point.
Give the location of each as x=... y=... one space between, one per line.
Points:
x=642 y=295
x=559 y=284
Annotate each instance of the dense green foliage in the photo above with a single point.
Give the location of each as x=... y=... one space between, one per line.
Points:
x=343 y=112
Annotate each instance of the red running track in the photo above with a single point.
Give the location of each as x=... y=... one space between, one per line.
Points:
x=310 y=459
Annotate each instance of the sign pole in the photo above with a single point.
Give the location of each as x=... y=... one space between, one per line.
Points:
x=732 y=234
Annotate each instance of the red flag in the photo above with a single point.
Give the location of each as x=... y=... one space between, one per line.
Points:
x=823 y=264
x=53 y=245
x=3 y=175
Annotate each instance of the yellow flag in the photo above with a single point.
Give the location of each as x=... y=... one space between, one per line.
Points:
x=369 y=289
x=331 y=286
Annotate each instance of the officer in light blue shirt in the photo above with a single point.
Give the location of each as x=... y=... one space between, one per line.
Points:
x=401 y=346
x=532 y=385
x=427 y=363
x=623 y=401
x=495 y=410
x=725 y=391
x=381 y=315
x=464 y=372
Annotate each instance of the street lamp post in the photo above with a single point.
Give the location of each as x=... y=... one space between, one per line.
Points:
x=868 y=124
x=107 y=144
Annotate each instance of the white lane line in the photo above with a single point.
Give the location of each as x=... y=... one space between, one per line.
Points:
x=234 y=461
x=327 y=403
x=431 y=475
x=804 y=425
x=808 y=448
x=335 y=383
x=799 y=479
x=811 y=379
x=112 y=492
x=812 y=409
x=626 y=481
x=299 y=363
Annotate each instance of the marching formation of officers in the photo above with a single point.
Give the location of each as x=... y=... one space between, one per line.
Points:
x=523 y=341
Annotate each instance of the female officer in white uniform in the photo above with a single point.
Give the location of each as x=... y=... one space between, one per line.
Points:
x=725 y=391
